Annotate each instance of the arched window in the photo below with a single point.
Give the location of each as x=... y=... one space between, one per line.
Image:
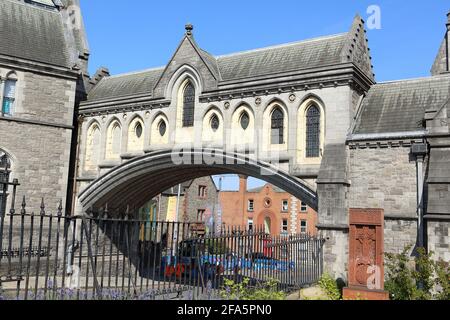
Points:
x=215 y=123
x=114 y=142
x=138 y=130
x=162 y=128
x=313 y=132
x=92 y=148
x=136 y=135
x=244 y=120
x=9 y=96
x=5 y=166
x=277 y=128
x=188 y=105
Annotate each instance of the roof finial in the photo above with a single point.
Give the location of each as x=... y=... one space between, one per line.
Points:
x=189 y=27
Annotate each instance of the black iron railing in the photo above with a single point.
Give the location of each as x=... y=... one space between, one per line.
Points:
x=109 y=254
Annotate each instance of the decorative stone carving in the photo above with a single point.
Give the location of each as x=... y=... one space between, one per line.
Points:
x=227 y=105
x=366 y=245
x=258 y=101
x=292 y=98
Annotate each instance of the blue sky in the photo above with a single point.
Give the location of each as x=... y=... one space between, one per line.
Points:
x=134 y=35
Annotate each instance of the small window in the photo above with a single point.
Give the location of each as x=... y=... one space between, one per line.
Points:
x=251 y=205
x=285 y=226
x=138 y=130
x=277 y=130
x=250 y=224
x=162 y=128
x=200 y=215
x=245 y=120
x=285 y=206
x=9 y=95
x=202 y=191
x=303 y=226
x=303 y=207
x=215 y=123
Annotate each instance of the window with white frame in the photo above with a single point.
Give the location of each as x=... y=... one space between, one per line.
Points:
x=285 y=226
x=9 y=97
x=200 y=215
x=250 y=224
x=303 y=207
x=251 y=205
x=303 y=226
x=285 y=206
x=202 y=191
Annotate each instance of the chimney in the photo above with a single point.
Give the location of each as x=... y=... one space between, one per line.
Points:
x=101 y=73
x=242 y=197
x=242 y=184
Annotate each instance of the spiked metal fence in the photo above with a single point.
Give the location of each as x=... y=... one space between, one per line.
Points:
x=115 y=255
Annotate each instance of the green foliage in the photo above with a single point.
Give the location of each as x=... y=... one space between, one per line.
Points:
x=243 y=291
x=418 y=278
x=330 y=287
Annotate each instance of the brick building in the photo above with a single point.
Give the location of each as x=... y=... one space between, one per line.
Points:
x=268 y=206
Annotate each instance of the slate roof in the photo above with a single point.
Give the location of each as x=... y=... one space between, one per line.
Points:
x=125 y=85
x=400 y=106
x=255 y=63
x=33 y=33
x=284 y=58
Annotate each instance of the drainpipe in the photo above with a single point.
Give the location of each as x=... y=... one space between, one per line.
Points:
x=419 y=151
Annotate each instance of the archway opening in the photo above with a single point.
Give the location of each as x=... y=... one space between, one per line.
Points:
x=142 y=178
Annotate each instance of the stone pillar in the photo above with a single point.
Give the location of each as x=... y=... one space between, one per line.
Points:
x=332 y=188
x=366 y=255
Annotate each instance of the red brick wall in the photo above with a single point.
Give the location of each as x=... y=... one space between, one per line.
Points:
x=234 y=209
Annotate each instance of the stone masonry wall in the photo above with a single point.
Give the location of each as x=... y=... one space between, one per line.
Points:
x=439 y=239
x=193 y=202
x=386 y=178
x=399 y=234
x=335 y=253
x=40 y=153
x=383 y=178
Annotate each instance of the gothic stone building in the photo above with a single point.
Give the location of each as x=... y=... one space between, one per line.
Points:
x=348 y=141
x=43 y=63
x=357 y=143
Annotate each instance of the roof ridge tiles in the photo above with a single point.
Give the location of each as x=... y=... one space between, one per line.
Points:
x=418 y=79
x=282 y=45
x=131 y=73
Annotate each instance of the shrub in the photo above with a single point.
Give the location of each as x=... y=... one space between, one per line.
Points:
x=330 y=287
x=243 y=291
x=419 y=278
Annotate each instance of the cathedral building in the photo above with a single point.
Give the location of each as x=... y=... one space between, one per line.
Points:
x=308 y=117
